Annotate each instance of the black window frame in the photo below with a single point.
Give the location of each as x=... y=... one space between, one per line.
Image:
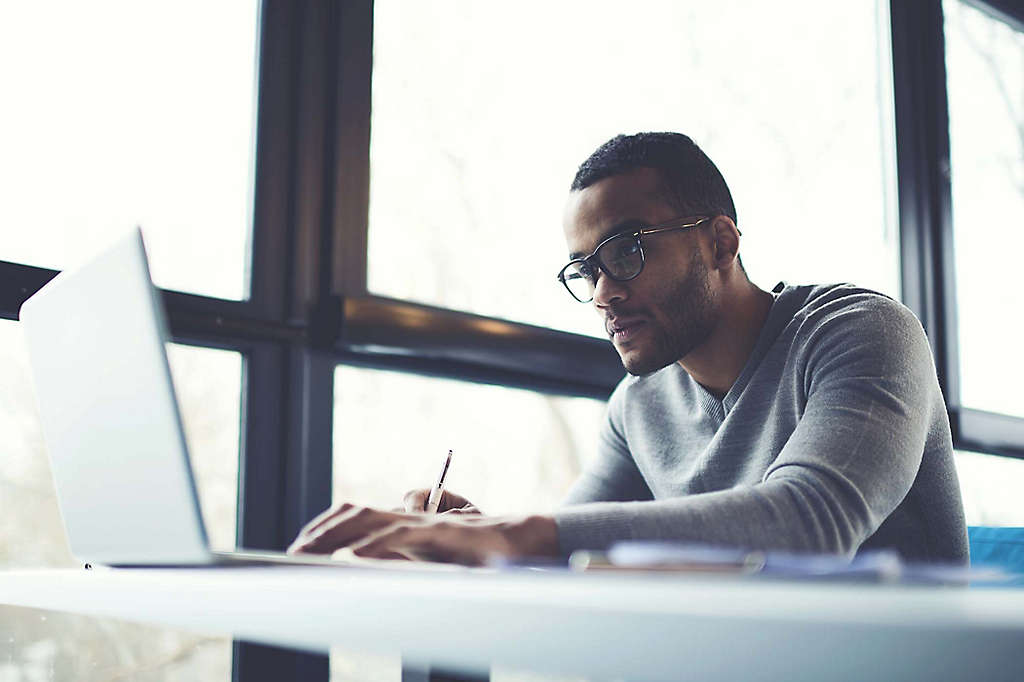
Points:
x=927 y=262
x=309 y=309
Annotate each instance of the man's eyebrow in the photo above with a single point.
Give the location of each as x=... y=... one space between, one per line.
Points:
x=623 y=226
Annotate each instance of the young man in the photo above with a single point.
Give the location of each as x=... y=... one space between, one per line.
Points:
x=804 y=419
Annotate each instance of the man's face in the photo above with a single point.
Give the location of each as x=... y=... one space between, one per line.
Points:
x=669 y=309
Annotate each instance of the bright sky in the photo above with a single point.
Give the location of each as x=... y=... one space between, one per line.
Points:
x=132 y=113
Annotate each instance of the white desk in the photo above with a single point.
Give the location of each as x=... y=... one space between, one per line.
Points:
x=603 y=626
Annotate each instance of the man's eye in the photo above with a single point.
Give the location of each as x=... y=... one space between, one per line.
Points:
x=585 y=271
x=625 y=248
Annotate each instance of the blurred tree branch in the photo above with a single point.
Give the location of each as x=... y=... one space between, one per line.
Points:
x=985 y=48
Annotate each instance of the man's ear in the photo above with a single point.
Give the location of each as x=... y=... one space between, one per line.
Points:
x=725 y=244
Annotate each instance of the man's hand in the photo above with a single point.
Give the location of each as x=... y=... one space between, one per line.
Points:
x=416 y=501
x=464 y=538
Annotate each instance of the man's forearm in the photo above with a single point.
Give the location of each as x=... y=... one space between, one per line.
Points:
x=786 y=515
x=534 y=536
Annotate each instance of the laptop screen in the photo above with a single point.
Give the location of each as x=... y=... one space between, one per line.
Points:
x=96 y=340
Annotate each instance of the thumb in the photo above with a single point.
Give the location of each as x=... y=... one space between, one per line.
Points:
x=416 y=500
x=468 y=509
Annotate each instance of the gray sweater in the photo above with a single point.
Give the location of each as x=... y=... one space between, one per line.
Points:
x=833 y=438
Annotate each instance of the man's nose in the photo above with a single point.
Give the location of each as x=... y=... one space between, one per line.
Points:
x=608 y=291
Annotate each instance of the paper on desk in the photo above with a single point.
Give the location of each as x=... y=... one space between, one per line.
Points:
x=873 y=565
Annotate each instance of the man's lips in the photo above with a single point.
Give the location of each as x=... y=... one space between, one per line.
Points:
x=623 y=328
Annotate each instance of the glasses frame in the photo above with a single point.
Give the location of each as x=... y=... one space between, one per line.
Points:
x=638 y=234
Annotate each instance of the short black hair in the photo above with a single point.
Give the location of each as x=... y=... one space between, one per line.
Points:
x=692 y=183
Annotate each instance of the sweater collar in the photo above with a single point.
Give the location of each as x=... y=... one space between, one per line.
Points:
x=786 y=301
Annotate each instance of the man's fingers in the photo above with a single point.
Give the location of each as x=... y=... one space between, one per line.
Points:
x=382 y=543
x=416 y=500
x=392 y=556
x=343 y=529
x=468 y=509
x=325 y=516
x=416 y=542
x=444 y=542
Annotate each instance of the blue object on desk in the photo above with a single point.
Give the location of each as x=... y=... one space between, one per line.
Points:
x=996 y=546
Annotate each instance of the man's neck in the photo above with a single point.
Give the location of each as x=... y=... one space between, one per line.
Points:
x=717 y=363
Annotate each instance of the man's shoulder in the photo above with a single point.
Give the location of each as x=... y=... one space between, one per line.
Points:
x=813 y=297
x=847 y=305
x=832 y=317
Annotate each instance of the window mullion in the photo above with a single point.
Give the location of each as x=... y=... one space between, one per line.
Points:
x=925 y=205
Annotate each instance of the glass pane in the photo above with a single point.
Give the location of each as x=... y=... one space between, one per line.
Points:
x=208 y=383
x=476 y=136
x=31 y=529
x=985 y=68
x=515 y=450
x=126 y=114
x=65 y=646
x=990 y=487
x=360 y=666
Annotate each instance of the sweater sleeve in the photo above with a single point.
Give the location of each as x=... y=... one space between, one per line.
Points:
x=870 y=385
x=612 y=475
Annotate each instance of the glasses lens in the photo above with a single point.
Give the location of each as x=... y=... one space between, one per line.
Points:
x=622 y=257
x=579 y=280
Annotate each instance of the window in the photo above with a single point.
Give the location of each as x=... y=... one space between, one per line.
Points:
x=66 y=646
x=991 y=487
x=985 y=65
x=119 y=114
x=480 y=115
x=514 y=451
x=208 y=383
x=482 y=112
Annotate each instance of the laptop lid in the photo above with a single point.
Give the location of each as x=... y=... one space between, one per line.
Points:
x=95 y=337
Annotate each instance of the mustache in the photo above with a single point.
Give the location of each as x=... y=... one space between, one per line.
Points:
x=617 y=319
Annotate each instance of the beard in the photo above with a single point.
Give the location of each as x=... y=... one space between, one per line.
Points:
x=690 y=317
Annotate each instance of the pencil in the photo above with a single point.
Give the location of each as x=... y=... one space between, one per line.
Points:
x=434 y=499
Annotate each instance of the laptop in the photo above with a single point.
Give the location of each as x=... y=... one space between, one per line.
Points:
x=96 y=339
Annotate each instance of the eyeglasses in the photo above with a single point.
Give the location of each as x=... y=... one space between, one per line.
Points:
x=620 y=257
